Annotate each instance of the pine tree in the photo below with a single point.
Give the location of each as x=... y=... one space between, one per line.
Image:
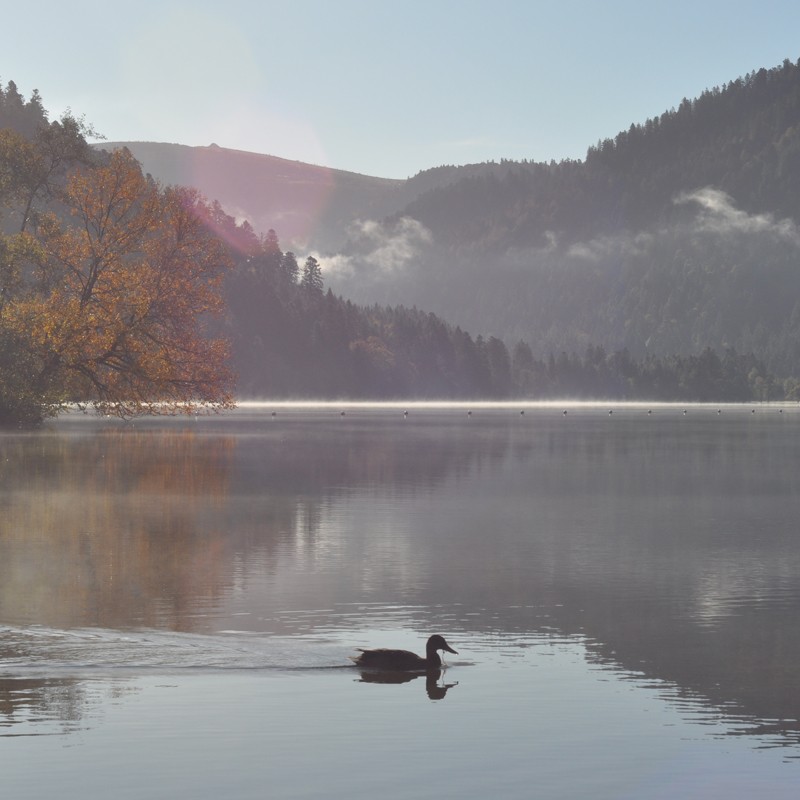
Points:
x=311 y=282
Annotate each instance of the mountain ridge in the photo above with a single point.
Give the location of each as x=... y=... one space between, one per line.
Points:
x=309 y=204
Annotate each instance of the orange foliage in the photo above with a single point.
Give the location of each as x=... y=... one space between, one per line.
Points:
x=116 y=309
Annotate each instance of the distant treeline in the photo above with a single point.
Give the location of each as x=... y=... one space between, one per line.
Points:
x=703 y=378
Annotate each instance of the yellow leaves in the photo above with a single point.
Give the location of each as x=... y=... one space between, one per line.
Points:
x=116 y=311
x=14 y=252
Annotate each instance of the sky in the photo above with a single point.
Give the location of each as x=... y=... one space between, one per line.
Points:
x=382 y=87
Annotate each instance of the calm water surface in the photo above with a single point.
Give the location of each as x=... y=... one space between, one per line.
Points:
x=178 y=600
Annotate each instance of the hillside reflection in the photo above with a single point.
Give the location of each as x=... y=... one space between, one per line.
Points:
x=671 y=552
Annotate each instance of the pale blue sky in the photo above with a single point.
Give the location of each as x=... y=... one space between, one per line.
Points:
x=385 y=88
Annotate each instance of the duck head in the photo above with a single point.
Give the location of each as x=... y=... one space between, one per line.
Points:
x=437 y=642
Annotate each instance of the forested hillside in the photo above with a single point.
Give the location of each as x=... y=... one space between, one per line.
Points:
x=678 y=234
x=742 y=139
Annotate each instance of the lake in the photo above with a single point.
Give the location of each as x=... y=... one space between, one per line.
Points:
x=179 y=599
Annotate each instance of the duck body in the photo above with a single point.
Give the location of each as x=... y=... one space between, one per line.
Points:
x=405 y=660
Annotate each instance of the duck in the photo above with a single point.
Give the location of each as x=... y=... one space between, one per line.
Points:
x=405 y=660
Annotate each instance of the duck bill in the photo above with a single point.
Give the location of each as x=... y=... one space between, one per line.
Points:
x=450 y=649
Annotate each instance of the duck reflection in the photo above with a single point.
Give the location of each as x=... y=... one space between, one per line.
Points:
x=433 y=687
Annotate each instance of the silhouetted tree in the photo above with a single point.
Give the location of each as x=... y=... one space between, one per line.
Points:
x=311 y=281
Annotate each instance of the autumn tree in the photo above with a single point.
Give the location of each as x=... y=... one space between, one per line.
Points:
x=111 y=310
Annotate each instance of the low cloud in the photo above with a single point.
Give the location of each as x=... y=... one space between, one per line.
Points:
x=602 y=247
x=337 y=266
x=383 y=248
x=718 y=214
x=715 y=214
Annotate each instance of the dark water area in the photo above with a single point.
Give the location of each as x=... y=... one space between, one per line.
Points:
x=623 y=590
